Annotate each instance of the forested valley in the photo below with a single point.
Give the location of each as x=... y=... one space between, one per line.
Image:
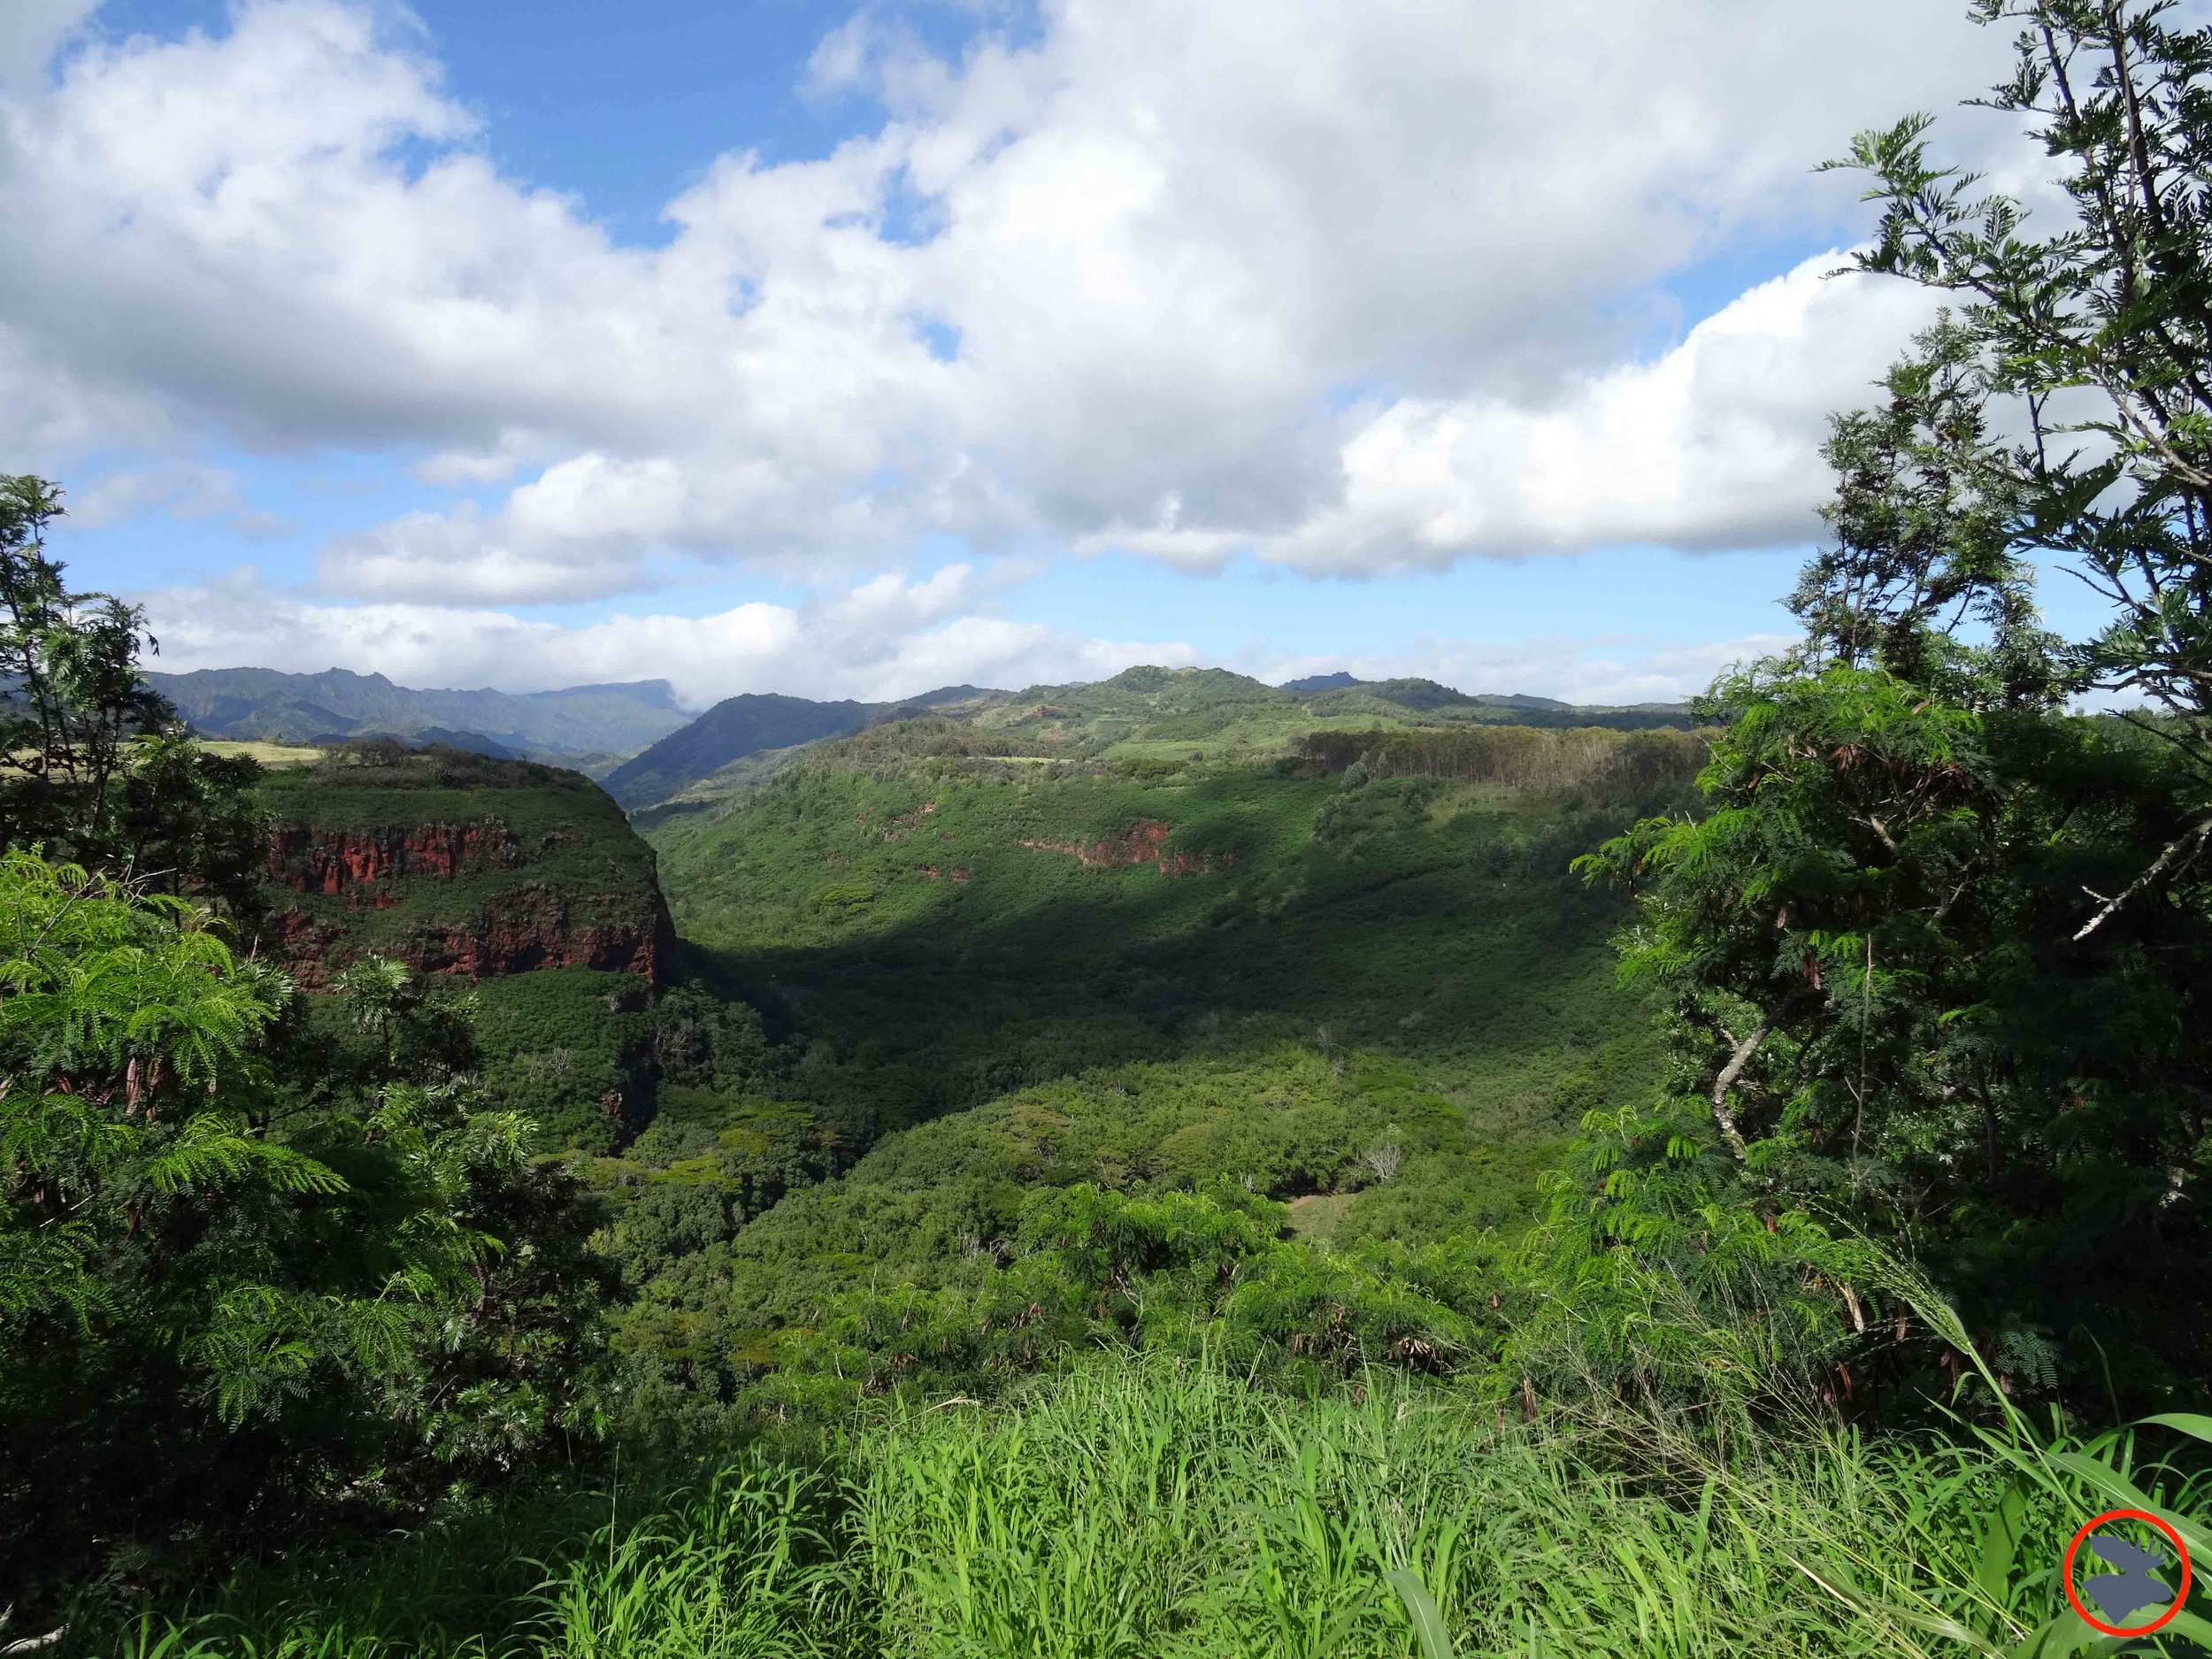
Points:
x=1178 y=1165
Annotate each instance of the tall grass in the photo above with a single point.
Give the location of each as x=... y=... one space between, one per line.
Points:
x=1158 y=1508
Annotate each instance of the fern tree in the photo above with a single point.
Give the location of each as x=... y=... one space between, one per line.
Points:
x=1934 y=951
x=94 y=765
x=225 y=1301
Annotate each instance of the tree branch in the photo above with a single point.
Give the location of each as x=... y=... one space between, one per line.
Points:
x=1739 y=1057
x=2193 y=840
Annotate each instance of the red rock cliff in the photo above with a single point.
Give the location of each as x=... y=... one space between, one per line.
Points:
x=514 y=929
x=308 y=859
x=536 y=926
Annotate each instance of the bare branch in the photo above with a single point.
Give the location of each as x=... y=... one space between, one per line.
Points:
x=1739 y=1058
x=2192 y=840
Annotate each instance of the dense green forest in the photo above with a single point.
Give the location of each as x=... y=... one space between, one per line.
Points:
x=1178 y=1165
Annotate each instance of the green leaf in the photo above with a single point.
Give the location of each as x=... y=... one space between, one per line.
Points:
x=2000 y=1546
x=2193 y=1424
x=1428 y=1623
x=2126 y=1494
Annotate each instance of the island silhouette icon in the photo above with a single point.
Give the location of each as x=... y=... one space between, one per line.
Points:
x=2133 y=1585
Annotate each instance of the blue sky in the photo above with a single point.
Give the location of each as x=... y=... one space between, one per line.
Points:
x=776 y=345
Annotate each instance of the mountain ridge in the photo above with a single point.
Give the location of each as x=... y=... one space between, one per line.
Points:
x=268 y=704
x=636 y=738
x=752 y=723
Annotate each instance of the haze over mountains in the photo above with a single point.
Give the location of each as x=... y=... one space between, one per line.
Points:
x=262 y=705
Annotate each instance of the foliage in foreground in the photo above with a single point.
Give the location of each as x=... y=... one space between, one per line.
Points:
x=1134 y=1509
x=244 y=1276
x=94 y=764
x=1934 y=949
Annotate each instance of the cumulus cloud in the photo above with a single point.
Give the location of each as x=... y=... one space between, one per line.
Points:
x=877 y=641
x=1714 y=445
x=1161 y=248
x=880 y=639
x=29 y=32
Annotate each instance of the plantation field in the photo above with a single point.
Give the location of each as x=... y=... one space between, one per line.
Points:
x=275 y=755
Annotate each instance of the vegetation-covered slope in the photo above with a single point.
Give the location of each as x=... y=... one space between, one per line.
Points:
x=1147 y=712
x=738 y=728
x=458 y=864
x=1156 y=715
x=1385 y=1004
x=1432 y=704
x=520 y=878
x=731 y=730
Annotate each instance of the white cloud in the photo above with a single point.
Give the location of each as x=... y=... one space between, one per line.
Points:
x=30 y=30
x=1714 y=445
x=182 y=489
x=1168 y=241
x=884 y=639
x=880 y=639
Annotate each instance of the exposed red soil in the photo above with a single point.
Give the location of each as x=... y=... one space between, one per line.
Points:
x=1143 y=842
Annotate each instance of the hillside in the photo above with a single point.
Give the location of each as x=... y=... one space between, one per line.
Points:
x=520 y=879
x=263 y=705
x=996 y=975
x=732 y=729
x=1157 y=716
x=1428 y=703
x=738 y=728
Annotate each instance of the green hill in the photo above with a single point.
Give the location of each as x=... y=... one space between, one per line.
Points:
x=521 y=879
x=1426 y=701
x=738 y=728
x=1147 y=715
x=732 y=729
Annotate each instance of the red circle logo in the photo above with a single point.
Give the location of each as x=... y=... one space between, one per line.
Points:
x=2181 y=1596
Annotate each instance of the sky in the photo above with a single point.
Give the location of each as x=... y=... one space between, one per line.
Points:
x=764 y=345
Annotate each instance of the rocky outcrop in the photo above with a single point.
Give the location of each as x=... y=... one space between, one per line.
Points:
x=517 y=930
x=310 y=949
x=1143 y=842
x=510 y=926
x=314 y=859
x=530 y=927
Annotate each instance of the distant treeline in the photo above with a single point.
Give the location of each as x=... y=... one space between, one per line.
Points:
x=1524 y=757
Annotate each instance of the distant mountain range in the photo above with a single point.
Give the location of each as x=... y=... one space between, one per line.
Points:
x=1139 y=715
x=648 y=751
x=1430 y=693
x=572 y=726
